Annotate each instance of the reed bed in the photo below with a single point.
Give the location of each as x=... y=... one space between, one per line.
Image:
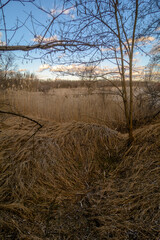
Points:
x=64 y=105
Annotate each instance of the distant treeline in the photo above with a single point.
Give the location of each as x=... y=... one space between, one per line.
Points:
x=31 y=83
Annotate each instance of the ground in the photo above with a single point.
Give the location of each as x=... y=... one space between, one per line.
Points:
x=78 y=180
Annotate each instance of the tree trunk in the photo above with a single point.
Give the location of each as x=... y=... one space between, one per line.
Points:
x=131 y=138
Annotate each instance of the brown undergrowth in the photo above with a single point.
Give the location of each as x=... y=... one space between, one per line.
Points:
x=78 y=181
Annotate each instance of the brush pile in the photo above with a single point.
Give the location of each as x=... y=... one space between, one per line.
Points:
x=78 y=181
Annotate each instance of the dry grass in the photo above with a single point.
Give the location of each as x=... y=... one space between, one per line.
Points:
x=62 y=163
x=64 y=105
x=76 y=104
x=71 y=181
x=76 y=178
x=128 y=204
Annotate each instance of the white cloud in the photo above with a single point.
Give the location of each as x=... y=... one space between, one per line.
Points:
x=140 y=68
x=104 y=49
x=53 y=11
x=157 y=29
x=80 y=69
x=22 y=70
x=155 y=49
x=1 y=42
x=135 y=60
x=72 y=16
x=69 y=11
x=145 y=39
x=73 y=68
x=43 y=67
x=45 y=40
x=142 y=40
x=43 y=76
x=66 y=12
x=61 y=56
x=109 y=49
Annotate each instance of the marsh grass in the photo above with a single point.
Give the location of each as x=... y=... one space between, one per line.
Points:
x=76 y=178
x=76 y=104
x=64 y=105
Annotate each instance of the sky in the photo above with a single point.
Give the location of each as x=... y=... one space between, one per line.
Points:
x=17 y=12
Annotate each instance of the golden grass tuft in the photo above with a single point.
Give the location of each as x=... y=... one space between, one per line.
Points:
x=78 y=181
x=61 y=163
x=128 y=203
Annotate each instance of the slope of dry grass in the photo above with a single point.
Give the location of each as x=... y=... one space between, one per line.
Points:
x=61 y=163
x=78 y=181
x=133 y=191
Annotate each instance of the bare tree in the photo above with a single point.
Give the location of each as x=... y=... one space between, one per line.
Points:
x=115 y=29
x=45 y=34
x=152 y=83
x=7 y=65
x=92 y=32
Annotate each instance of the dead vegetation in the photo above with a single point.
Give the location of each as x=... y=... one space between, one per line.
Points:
x=65 y=105
x=78 y=181
x=103 y=105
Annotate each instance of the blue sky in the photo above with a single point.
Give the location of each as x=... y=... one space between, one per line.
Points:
x=17 y=12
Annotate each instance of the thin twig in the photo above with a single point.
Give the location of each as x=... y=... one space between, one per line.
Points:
x=22 y=116
x=30 y=119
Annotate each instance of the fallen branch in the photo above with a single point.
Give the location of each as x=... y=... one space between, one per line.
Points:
x=22 y=116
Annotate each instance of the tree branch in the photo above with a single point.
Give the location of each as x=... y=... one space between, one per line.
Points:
x=22 y=116
x=49 y=45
